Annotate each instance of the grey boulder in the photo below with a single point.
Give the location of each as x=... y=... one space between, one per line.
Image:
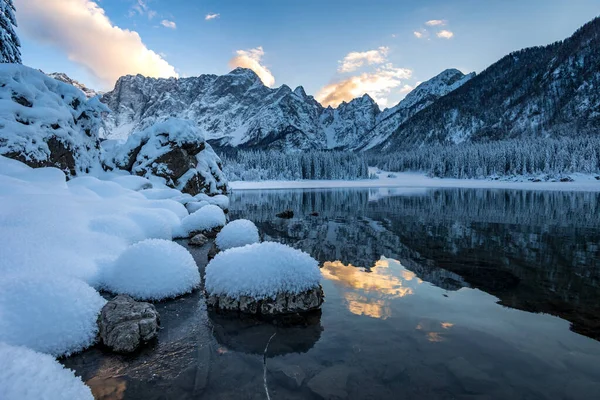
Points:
x=125 y=324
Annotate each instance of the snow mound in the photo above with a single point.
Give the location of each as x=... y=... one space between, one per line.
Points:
x=237 y=233
x=133 y=182
x=192 y=207
x=153 y=269
x=28 y=375
x=205 y=219
x=45 y=122
x=219 y=200
x=261 y=270
x=50 y=314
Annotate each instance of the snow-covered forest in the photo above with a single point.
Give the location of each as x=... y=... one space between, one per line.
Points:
x=501 y=158
x=256 y=165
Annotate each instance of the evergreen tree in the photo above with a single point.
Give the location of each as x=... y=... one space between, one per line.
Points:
x=9 y=41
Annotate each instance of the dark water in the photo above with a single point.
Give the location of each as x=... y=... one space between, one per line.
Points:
x=430 y=294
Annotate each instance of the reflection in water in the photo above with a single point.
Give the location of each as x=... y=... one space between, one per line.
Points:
x=386 y=280
x=249 y=335
x=535 y=251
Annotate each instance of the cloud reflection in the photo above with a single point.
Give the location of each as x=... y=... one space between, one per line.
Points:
x=371 y=290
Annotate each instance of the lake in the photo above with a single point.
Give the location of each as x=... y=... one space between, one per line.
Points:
x=430 y=294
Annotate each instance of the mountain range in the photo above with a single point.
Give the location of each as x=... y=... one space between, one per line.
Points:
x=536 y=92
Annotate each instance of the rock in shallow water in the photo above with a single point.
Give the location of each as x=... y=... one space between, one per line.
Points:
x=284 y=303
x=198 y=240
x=125 y=324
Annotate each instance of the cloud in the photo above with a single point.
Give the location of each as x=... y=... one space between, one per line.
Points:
x=168 y=24
x=355 y=59
x=435 y=22
x=377 y=84
x=210 y=16
x=81 y=29
x=418 y=34
x=142 y=8
x=444 y=34
x=406 y=89
x=251 y=59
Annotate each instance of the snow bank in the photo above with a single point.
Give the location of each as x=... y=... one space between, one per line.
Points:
x=61 y=239
x=219 y=200
x=174 y=150
x=192 y=207
x=237 y=233
x=261 y=270
x=153 y=270
x=50 y=314
x=44 y=122
x=205 y=219
x=28 y=375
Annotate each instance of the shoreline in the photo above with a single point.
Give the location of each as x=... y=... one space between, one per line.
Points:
x=581 y=183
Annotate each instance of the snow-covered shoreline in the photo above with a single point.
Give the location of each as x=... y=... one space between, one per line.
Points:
x=581 y=183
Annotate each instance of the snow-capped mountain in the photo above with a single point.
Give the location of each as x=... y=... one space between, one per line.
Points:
x=61 y=76
x=536 y=92
x=237 y=110
x=419 y=98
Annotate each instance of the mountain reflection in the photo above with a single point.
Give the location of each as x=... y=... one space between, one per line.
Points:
x=535 y=251
x=368 y=291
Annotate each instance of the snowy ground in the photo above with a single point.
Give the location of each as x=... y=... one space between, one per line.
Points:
x=582 y=182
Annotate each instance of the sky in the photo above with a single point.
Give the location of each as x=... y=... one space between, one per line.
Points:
x=336 y=50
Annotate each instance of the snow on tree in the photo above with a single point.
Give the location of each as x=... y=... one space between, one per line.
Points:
x=9 y=41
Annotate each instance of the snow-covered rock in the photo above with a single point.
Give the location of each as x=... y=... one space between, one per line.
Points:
x=237 y=233
x=125 y=324
x=208 y=220
x=60 y=241
x=267 y=278
x=153 y=269
x=44 y=122
x=29 y=375
x=194 y=206
x=176 y=151
x=50 y=314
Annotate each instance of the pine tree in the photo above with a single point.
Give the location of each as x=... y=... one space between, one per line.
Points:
x=9 y=41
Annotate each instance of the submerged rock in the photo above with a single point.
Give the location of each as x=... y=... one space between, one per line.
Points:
x=290 y=376
x=198 y=240
x=331 y=382
x=287 y=214
x=283 y=303
x=125 y=324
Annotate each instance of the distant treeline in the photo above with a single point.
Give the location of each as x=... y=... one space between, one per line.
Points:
x=501 y=158
x=256 y=165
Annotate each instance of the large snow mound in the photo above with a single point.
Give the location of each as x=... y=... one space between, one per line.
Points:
x=50 y=314
x=205 y=219
x=153 y=270
x=261 y=270
x=28 y=375
x=58 y=237
x=237 y=233
x=45 y=122
x=175 y=151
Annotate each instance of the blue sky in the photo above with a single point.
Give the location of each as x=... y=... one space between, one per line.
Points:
x=294 y=42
